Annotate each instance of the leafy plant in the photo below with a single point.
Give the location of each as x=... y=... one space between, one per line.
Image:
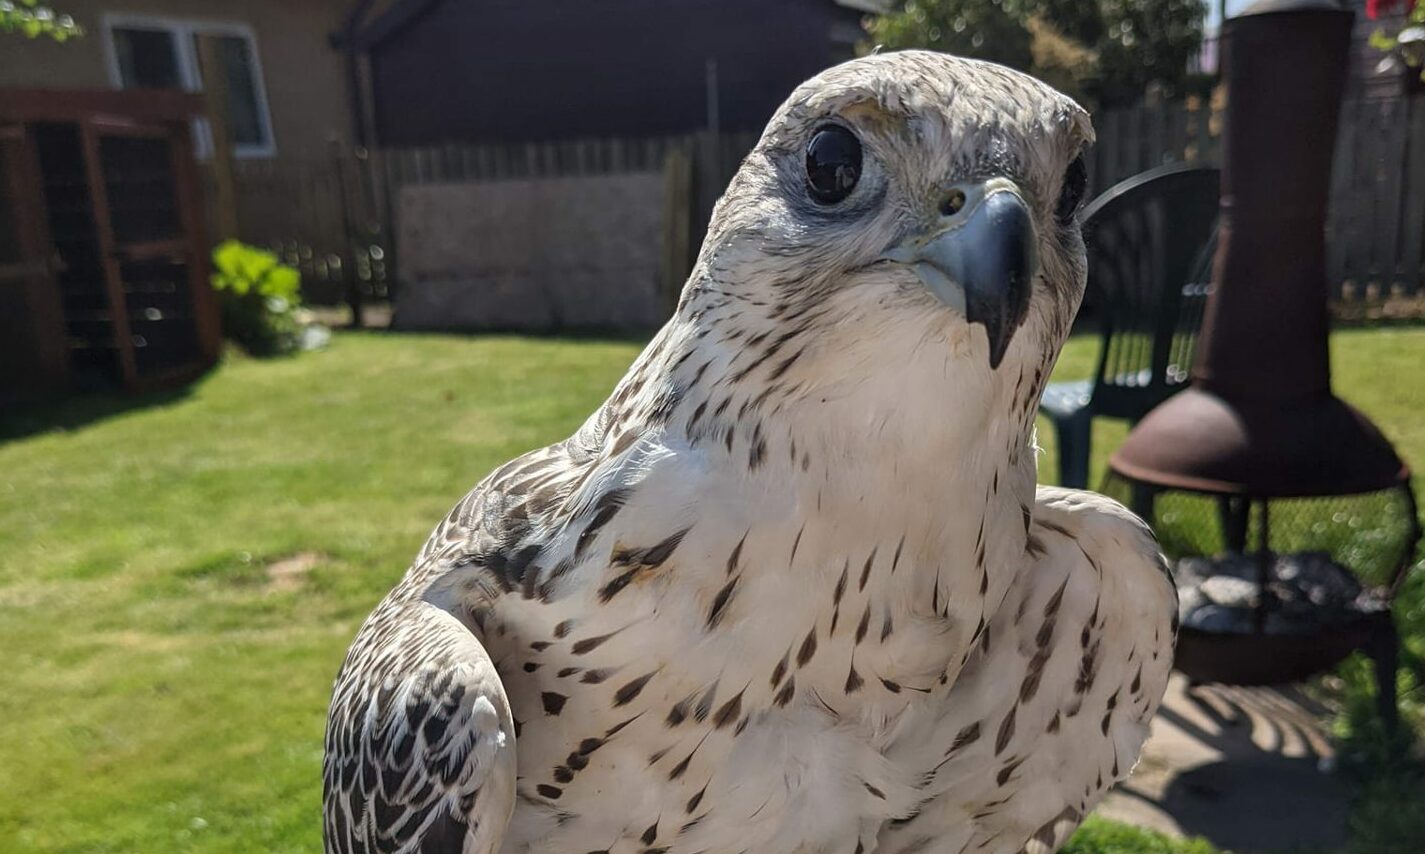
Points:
x=1407 y=45
x=31 y=19
x=259 y=298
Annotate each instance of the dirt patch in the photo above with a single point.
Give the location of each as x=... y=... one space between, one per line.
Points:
x=288 y=573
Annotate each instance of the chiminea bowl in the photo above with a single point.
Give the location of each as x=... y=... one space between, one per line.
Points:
x=1245 y=659
x=1363 y=543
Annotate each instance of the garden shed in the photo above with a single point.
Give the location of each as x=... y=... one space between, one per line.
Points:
x=103 y=252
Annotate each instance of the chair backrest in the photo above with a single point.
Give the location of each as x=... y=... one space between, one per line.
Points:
x=1150 y=243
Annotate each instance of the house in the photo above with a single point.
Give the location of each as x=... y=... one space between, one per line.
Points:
x=287 y=87
x=306 y=86
x=442 y=71
x=419 y=72
x=104 y=225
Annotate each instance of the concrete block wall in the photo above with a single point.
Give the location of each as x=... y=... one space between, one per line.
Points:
x=536 y=254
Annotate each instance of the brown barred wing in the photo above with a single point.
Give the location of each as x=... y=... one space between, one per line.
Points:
x=420 y=745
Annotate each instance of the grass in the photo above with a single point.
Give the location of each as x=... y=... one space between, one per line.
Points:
x=161 y=693
x=169 y=660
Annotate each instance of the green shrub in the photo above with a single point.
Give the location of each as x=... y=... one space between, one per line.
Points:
x=1100 y=836
x=259 y=298
x=1385 y=814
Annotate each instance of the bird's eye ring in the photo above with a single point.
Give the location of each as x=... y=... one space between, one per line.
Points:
x=833 y=164
x=1076 y=183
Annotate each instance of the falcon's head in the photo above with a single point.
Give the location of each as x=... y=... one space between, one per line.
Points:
x=919 y=194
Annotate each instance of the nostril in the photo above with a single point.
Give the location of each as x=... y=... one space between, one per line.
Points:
x=954 y=202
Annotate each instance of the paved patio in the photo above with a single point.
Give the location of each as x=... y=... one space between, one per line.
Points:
x=1239 y=766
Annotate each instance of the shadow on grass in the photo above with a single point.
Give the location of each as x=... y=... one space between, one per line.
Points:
x=81 y=410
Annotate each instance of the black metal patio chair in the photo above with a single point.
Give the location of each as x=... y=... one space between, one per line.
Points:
x=1150 y=243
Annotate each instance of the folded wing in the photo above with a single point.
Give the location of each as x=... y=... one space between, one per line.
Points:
x=420 y=749
x=1053 y=707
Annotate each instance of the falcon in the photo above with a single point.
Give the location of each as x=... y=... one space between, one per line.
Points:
x=792 y=588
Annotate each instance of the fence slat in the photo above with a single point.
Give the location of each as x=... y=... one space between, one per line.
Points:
x=1108 y=145
x=1338 y=214
x=1413 y=197
x=1158 y=151
x=1391 y=210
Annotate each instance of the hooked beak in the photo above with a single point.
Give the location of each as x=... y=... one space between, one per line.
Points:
x=980 y=259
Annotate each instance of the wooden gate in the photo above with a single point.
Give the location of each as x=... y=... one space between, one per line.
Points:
x=108 y=240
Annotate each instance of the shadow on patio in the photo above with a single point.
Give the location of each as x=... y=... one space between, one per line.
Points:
x=1241 y=767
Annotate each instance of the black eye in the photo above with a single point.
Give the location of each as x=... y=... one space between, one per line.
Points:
x=1076 y=182
x=833 y=164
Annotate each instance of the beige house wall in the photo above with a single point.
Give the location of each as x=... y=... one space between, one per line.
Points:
x=304 y=76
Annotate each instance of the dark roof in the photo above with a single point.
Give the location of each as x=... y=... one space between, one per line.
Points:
x=401 y=13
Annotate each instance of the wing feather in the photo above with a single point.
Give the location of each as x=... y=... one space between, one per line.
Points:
x=420 y=752
x=420 y=746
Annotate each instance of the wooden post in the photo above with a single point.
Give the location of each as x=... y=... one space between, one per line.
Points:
x=349 y=242
x=206 y=317
x=677 y=226
x=707 y=171
x=120 y=334
x=215 y=99
x=32 y=273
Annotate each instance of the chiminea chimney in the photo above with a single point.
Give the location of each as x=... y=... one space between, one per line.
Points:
x=1259 y=419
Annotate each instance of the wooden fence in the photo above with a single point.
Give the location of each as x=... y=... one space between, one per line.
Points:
x=1376 y=219
x=318 y=214
x=1377 y=214
x=332 y=214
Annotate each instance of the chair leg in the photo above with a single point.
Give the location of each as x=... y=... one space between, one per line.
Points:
x=1075 y=436
x=1384 y=651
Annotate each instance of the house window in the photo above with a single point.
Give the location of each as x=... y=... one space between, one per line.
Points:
x=149 y=52
x=148 y=59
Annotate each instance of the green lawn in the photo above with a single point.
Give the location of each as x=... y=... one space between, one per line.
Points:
x=167 y=667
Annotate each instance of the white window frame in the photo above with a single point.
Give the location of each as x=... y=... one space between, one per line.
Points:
x=190 y=75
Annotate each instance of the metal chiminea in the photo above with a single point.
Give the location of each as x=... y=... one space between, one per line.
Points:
x=1291 y=514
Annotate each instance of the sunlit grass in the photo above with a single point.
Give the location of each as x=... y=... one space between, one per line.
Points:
x=161 y=692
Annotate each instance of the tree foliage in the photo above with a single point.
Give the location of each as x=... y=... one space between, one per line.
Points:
x=32 y=19
x=980 y=29
x=1101 y=50
x=1145 y=42
x=1406 y=45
